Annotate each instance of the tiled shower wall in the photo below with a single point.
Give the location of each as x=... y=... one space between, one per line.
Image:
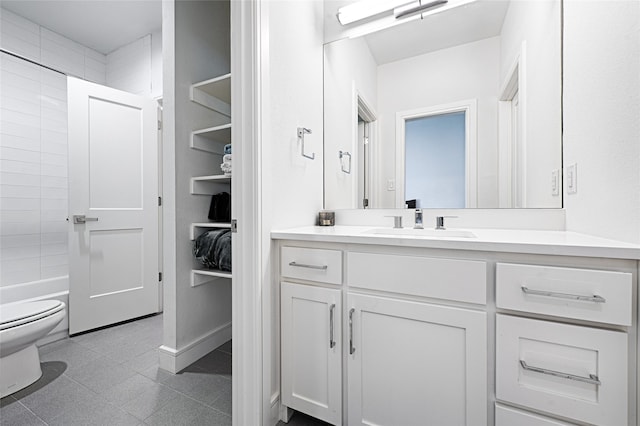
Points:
x=33 y=136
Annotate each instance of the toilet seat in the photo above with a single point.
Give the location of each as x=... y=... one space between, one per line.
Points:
x=13 y=315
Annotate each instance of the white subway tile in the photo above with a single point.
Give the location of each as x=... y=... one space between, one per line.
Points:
x=54 y=238
x=54 y=114
x=55 y=148
x=20 y=47
x=19 y=179
x=55 y=171
x=54 y=193
x=19 y=118
x=12 y=253
x=20 y=204
x=94 y=55
x=95 y=76
x=31 y=240
x=53 y=204
x=54 y=226
x=54 y=271
x=54 y=125
x=9 y=166
x=53 y=249
x=19 y=215
x=55 y=93
x=21 y=32
x=24 y=23
x=20 y=83
x=54 y=159
x=19 y=228
x=19 y=66
x=54 y=182
x=14 y=129
x=61 y=259
x=19 y=155
x=21 y=106
x=48 y=37
x=51 y=137
x=53 y=216
x=62 y=58
x=8 y=278
x=12 y=141
x=19 y=191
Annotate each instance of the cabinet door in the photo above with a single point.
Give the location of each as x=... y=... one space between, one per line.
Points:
x=311 y=351
x=413 y=363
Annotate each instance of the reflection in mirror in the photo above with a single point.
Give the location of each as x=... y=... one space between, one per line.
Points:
x=459 y=109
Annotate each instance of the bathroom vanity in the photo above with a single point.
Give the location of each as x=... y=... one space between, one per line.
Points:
x=503 y=327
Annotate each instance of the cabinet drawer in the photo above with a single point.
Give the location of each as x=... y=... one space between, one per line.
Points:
x=508 y=416
x=451 y=279
x=311 y=264
x=585 y=294
x=576 y=372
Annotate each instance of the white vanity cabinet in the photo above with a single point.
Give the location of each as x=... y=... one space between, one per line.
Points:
x=413 y=363
x=404 y=356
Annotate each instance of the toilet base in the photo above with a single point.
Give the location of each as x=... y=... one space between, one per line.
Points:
x=19 y=370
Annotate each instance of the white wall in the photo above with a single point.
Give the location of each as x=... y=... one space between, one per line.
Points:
x=349 y=71
x=137 y=67
x=459 y=73
x=537 y=24
x=291 y=81
x=602 y=117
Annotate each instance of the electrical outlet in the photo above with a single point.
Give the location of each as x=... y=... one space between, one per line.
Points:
x=555 y=182
x=391 y=184
x=572 y=178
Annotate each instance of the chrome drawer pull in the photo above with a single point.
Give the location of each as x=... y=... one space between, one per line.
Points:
x=351 y=348
x=332 y=342
x=595 y=298
x=592 y=379
x=304 y=265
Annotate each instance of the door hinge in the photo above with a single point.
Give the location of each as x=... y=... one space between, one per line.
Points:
x=160 y=276
x=365 y=203
x=234 y=225
x=159 y=125
x=159 y=201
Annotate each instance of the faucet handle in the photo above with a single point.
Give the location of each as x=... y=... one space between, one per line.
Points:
x=397 y=221
x=440 y=221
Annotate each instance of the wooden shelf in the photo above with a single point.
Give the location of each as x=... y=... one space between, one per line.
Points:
x=214 y=94
x=206 y=276
x=208 y=185
x=207 y=225
x=212 y=139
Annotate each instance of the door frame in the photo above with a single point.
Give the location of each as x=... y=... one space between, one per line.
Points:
x=470 y=108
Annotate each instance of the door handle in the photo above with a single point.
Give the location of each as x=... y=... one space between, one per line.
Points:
x=352 y=348
x=80 y=219
x=332 y=342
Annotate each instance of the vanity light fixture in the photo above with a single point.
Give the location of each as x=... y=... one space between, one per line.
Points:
x=364 y=9
x=417 y=7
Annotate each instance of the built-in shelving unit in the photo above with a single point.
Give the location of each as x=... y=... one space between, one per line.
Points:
x=207 y=185
x=206 y=276
x=214 y=94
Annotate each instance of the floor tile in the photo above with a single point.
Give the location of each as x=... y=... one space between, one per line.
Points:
x=185 y=411
x=145 y=404
x=209 y=388
x=16 y=414
x=144 y=361
x=131 y=388
x=93 y=411
x=184 y=381
x=223 y=403
x=226 y=347
x=100 y=375
x=216 y=362
x=70 y=353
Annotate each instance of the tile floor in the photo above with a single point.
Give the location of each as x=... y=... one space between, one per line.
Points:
x=111 y=377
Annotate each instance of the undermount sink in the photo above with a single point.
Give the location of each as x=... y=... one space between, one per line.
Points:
x=428 y=233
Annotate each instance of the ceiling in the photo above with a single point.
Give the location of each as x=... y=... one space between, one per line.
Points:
x=474 y=21
x=101 y=25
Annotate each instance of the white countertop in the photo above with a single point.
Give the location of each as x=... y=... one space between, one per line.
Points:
x=497 y=240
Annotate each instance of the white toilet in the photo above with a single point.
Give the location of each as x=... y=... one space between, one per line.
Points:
x=21 y=325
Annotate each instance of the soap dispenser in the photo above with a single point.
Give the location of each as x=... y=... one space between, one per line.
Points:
x=418 y=221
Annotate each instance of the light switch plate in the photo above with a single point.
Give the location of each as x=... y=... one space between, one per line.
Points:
x=572 y=178
x=391 y=184
x=555 y=182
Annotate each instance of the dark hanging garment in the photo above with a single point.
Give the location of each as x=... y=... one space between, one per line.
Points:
x=220 y=208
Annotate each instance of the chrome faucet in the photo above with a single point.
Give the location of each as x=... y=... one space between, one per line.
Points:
x=418 y=220
x=397 y=221
x=440 y=222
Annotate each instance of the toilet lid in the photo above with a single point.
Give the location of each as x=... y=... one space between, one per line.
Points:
x=12 y=315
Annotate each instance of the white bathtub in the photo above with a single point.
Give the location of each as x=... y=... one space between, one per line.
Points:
x=49 y=289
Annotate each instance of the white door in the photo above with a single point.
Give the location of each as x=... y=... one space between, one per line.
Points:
x=113 y=185
x=311 y=351
x=415 y=364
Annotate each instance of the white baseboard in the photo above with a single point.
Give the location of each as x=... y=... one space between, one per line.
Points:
x=274 y=417
x=176 y=360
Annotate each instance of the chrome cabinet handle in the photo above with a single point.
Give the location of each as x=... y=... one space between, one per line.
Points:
x=80 y=218
x=305 y=265
x=592 y=379
x=351 y=348
x=332 y=342
x=595 y=298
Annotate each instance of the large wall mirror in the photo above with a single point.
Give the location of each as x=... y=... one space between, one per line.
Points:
x=458 y=109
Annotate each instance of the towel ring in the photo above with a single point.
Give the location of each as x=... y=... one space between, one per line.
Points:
x=301 y=132
x=342 y=154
